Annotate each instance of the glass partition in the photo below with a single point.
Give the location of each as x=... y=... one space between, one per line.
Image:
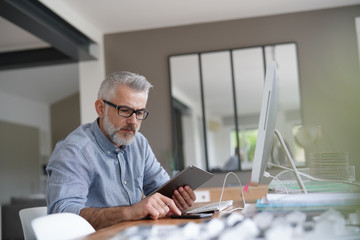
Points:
x=218 y=104
x=216 y=101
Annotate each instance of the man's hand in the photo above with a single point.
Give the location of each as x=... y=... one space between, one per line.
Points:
x=155 y=206
x=184 y=197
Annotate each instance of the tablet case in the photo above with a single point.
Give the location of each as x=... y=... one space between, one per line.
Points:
x=191 y=176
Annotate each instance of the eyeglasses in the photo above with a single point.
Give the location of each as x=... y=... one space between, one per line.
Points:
x=125 y=111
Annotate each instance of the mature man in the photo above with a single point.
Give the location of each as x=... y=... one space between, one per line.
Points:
x=102 y=169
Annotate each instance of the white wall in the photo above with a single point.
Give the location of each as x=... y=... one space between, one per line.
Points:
x=91 y=73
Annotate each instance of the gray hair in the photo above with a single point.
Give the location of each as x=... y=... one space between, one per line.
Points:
x=132 y=80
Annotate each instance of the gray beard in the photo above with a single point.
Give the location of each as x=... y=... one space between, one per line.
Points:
x=114 y=135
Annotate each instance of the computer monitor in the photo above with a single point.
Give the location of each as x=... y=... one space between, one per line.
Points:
x=267 y=122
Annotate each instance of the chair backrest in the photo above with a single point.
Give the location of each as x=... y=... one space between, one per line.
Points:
x=26 y=216
x=61 y=226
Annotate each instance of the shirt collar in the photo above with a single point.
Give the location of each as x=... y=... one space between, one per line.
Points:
x=105 y=144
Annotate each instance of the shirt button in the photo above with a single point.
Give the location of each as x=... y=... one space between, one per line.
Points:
x=117 y=150
x=109 y=152
x=125 y=182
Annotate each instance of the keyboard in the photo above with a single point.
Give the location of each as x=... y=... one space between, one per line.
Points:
x=262 y=225
x=212 y=207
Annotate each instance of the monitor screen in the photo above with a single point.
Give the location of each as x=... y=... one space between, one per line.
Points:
x=267 y=122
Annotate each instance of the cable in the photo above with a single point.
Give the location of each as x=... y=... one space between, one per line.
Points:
x=297 y=175
x=266 y=174
x=223 y=188
x=314 y=178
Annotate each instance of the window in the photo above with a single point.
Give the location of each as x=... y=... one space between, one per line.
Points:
x=247 y=146
x=222 y=91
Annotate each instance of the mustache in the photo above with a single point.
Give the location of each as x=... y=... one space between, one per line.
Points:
x=128 y=127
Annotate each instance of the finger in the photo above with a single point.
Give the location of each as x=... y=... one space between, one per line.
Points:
x=177 y=203
x=180 y=199
x=162 y=208
x=190 y=192
x=152 y=213
x=169 y=203
x=185 y=194
x=166 y=210
x=156 y=207
x=172 y=207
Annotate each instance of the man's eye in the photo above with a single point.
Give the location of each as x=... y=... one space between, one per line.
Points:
x=125 y=111
x=140 y=113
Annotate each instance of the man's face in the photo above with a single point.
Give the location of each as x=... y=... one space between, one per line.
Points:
x=121 y=130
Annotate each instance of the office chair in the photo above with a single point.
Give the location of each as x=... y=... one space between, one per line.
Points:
x=61 y=226
x=26 y=216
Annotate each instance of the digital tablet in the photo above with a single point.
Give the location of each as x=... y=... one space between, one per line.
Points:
x=191 y=176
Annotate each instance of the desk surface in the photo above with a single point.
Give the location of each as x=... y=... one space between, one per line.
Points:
x=252 y=195
x=109 y=232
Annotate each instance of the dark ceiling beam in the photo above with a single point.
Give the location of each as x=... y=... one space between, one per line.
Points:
x=32 y=58
x=37 y=19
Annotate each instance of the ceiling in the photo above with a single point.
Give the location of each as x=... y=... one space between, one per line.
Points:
x=49 y=84
x=110 y=16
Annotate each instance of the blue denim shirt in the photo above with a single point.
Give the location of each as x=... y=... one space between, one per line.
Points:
x=88 y=170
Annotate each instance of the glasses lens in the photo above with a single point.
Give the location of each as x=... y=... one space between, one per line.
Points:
x=125 y=111
x=141 y=115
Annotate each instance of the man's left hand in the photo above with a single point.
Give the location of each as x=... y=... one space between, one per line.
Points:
x=184 y=197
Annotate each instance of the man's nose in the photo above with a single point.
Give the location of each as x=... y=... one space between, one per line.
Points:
x=132 y=119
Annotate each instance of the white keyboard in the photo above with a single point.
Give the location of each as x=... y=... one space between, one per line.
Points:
x=212 y=207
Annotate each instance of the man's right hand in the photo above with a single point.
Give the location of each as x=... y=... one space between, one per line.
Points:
x=155 y=206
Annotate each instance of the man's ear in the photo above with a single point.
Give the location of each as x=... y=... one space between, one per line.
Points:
x=100 y=108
